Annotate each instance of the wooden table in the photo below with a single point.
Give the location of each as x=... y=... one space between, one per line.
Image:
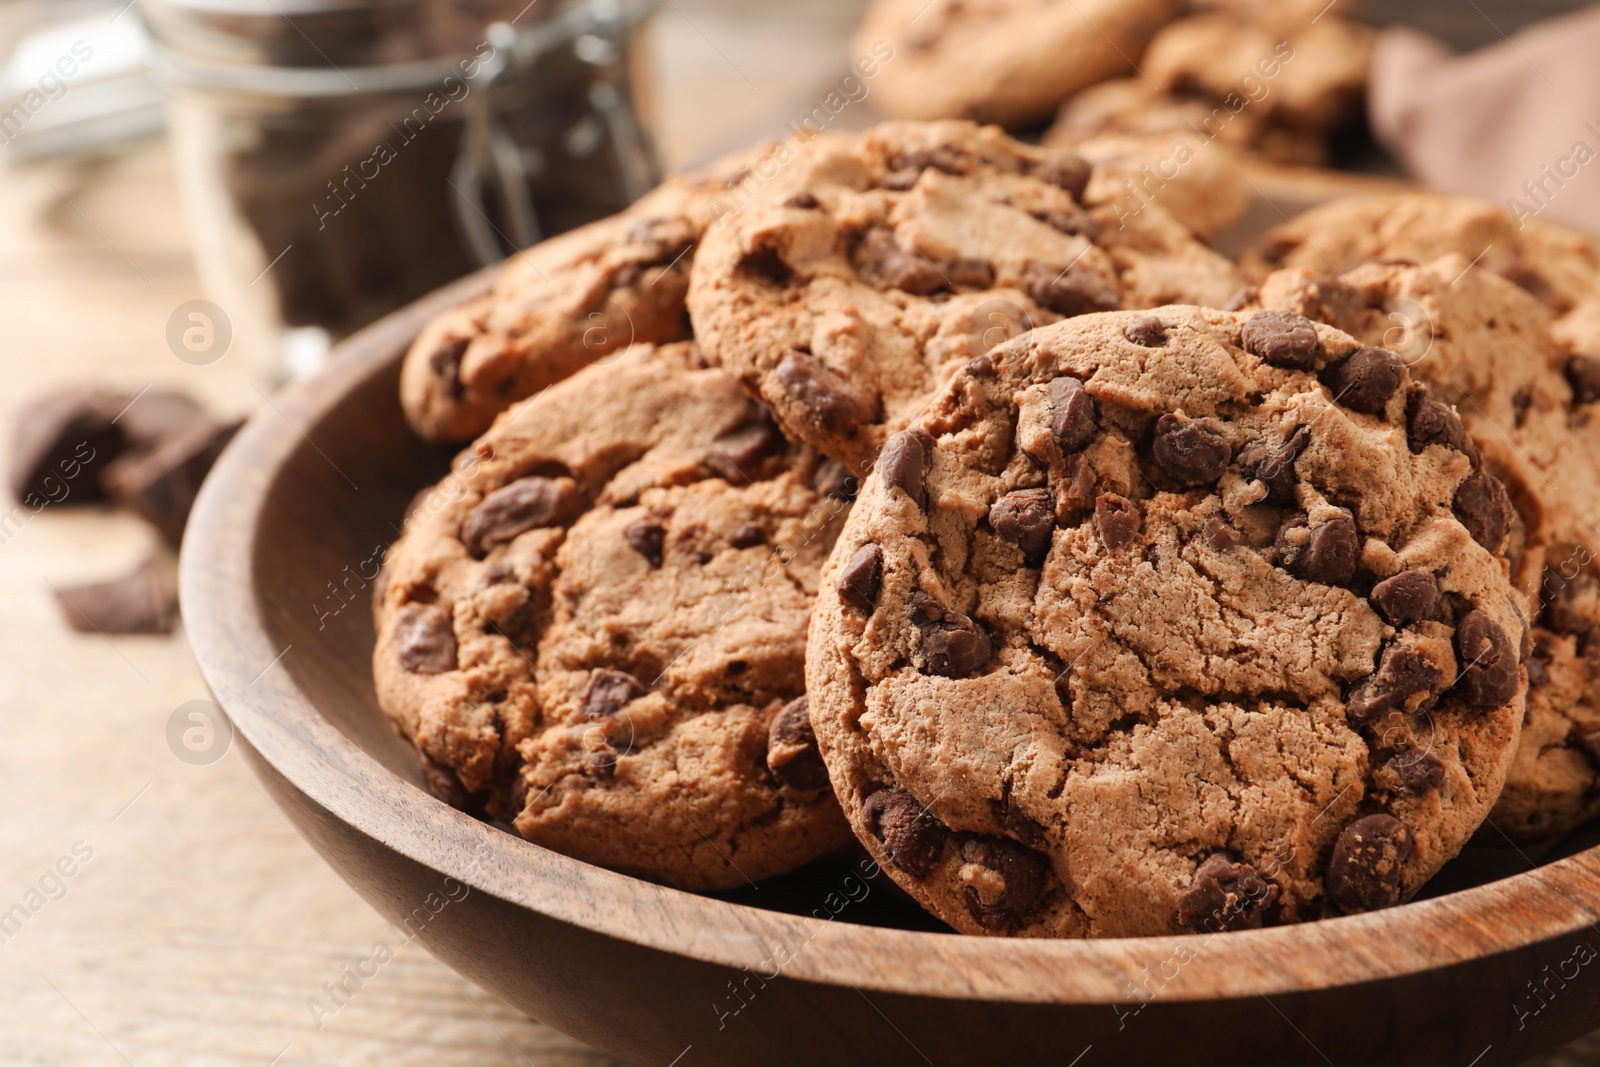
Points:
x=200 y=925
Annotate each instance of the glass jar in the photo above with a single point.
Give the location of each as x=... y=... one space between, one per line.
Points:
x=338 y=158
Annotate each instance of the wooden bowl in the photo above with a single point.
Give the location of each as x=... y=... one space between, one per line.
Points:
x=277 y=568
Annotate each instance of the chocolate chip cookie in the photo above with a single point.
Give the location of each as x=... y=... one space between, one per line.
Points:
x=873 y=266
x=566 y=303
x=1137 y=630
x=594 y=628
x=1558 y=265
x=1005 y=61
x=1484 y=344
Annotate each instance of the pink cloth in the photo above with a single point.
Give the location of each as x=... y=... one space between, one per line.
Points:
x=1518 y=121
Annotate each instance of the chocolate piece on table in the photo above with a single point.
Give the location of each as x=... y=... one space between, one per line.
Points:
x=160 y=485
x=144 y=601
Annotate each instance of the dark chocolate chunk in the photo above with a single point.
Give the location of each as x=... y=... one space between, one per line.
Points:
x=1226 y=895
x=1015 y=821
x=142 y=602
x=1368 y=863
x=512 y=510
x=835 y=482
x=1077 y=290
x=1489 y=675
x=1014 y=879
x=648 y=537
x=1219 y=535
x=426 y=637
x=1329 y=557
x=1116 y=520
x=1418 y=772
x=747 y=536
x=911 y=836
x=858 y=582
x=1583 y=374
x=904 y=464
x=1402 y=673
x=970 y=274
x=737 y=456
x=1149 y=331
x=1365 y=380
x=1242 y=299
x=827 y=399
x=1484 y=508
x=1408 y=597
x=1340 y=304
x=1027 y=519
x=1566 y=591
x=1274 y=467
x=1282 y=338
x=1072 y=414
x=882 y=260
x=1431 y=422
x=160 y=485
x=1191 y=451
x=445 y=363
x=792 y=753
x=955 y=646
x=608 y=690
x=1066 y=170
x=804 y=201
x=62 y=441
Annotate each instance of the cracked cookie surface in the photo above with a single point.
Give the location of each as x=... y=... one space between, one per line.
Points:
x=595 y=627
x=1136 y=630
x=873 y=266
x=1484 y=344
x=574 y=300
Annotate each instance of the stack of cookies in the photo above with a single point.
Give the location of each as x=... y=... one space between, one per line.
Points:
x=892 y=489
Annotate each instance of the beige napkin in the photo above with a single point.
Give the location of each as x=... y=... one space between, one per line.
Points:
x=1518 y=121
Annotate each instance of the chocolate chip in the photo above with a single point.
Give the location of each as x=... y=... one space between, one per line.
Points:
x=1365 y=380
x=1116 y=520
x=1341 y=304
x=970 y=274
x=1077 y=290
x=792 y=753
x=736 y=456
x=955 y=646
x=1016 y=821
x=608 y=690
x=835 y=482
x=144 y=601
x=765 y=265
x=1066 y=170
x=1402 y=673
x=1484 y=508
x=443 y=784
x=747 y=536
x=911 y=836
x=1149 y=331
x=1072 y=221
x=1226 y=895
x=1072 y=414
x=1583 y=374
x=1419 y=773
x=946 y=159
x=1524 y=276
x=1191 y=451
x=1588 y=743
x=1539 y=662
x=1011 y=881
x=525 y=504
x=1329 y=557
x=425 y=635
x=904 y=464
x=1566 y=591
x=882 y=260
x=1489 y=675
x=1243 y=298
x=1431 y=422
x=648 y=537
x=1027 y=519
x=1368 y=863
x=858 y=582
x=445 y=363
x=1219 y=535
x=1282 y=338
x=1274 y=467
x=804 y=201
x=1408 y=597
x=828 y=400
